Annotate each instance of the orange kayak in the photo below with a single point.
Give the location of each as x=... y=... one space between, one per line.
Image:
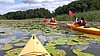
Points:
x=89 y=30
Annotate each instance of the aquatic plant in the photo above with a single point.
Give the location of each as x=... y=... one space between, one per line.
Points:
x=50 y=47
x=60 y=42
x=75 y=41
x=20 y=44
x=13 y=52
x=60 y=52
x=47 y=31
x=24 y=37
x=15 y=41
x=7 y=47
x=80 y=53
x=47 y=34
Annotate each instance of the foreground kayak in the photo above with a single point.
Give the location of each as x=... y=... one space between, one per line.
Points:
x=34 y=48
x=90 y=30
x=50 y=23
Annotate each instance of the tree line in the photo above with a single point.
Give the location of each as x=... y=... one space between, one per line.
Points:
x=36 y=13
x=78 y=6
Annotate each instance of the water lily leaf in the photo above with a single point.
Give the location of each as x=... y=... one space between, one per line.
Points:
x=24 y=37
x=20 y=44
x=60 y=42
x=60 y=52
x=47 y=34
x=16 y=40
x=7 y=47
x=13 y=52
x=71 y=43
x=80 y=53
x=47 y=31
x=83 y=43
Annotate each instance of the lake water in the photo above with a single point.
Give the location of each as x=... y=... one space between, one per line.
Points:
x=12 y=34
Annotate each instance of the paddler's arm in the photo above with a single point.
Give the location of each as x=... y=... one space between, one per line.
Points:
x=76 y=19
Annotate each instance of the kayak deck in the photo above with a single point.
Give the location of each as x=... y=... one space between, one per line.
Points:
x=90 y=30
x=50 y=23
x=34 y=48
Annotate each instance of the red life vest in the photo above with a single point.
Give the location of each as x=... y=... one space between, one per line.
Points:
x=52 y=20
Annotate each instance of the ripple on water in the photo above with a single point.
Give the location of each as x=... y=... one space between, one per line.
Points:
x=1 y=46
x=81 y=47
x=94 y=49
x=7 y=39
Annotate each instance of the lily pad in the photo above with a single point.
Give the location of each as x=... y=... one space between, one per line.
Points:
x=92 y=37
x=24 y=37
x=80 y=53
x=50 y=48
x=47 y=31
x=56 y=37
x=25 y=40
x=83 y=43
x=47 y=34
x=16 y=40
x=13 y=52
x=60 y=42
x=20 y=44
x=7 y=47
x=54 y=51
x=60 y=52
x=71 y=43
x=50 y=44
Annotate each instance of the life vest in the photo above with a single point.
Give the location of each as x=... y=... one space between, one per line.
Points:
x=82 y=23
x=52 y=20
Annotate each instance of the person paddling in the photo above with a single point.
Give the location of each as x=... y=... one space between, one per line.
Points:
x=52 y=20
x=81 y=22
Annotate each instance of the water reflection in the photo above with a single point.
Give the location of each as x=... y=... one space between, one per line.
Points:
x=81 y=47
x=94 y=49
x=18 y=33
x=66 y=49
x=7 y=38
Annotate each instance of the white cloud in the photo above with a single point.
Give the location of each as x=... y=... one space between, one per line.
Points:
x=7 y=1
x=51 y=6
x=37 y=1
x=21 y=6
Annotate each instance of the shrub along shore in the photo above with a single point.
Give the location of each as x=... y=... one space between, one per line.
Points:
x=89 y=16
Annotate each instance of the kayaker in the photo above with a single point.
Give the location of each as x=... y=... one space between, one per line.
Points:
x=81 y=22
x=52 y=20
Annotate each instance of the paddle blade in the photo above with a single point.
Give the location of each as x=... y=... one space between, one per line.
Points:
x=71 y=13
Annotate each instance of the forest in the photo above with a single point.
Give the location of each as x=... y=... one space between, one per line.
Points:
x=90 y=9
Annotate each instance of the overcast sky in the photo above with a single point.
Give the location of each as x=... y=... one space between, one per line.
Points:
x=16 y=5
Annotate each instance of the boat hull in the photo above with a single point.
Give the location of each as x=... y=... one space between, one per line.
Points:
x=86 y=30
x=34 y=48
x=54 y=24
